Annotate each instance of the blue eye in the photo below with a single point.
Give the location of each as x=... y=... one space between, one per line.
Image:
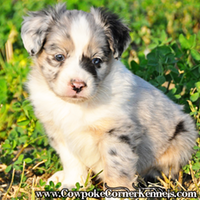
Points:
x=96 y=61
x=60 y=57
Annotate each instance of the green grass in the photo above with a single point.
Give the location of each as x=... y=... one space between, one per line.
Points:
x=168 y=30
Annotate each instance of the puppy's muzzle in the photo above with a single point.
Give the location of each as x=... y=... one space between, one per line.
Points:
x=77 y=85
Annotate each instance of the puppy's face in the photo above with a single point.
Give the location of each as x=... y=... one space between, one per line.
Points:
x=75 y=57
x=74 y=49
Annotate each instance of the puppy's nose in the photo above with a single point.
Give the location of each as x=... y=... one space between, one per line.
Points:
x=77 y=85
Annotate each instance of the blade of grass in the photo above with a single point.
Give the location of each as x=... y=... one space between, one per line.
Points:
x=88 y=177
x=12 y=179
x=97 y=174
x=193 y=177
x=33 y=189
x=22 y=176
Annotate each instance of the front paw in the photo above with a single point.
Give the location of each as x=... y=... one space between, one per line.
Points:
x=60 y=177
x=57 y=177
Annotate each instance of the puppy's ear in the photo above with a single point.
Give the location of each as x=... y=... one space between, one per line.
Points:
x=35 y=27
x=116 y=32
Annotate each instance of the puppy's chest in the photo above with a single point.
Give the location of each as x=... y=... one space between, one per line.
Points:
x=87 y=131
x=85 y=123
x=84 y=139
x=80 y=130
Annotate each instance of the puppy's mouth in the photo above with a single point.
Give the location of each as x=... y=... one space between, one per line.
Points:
x=73 y=99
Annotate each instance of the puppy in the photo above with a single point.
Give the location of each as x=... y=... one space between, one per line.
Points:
x=96 y=113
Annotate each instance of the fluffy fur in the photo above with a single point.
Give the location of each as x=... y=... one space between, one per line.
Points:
x=96 y=113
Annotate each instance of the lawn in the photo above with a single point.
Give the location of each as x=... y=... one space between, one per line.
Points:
x=165 y=48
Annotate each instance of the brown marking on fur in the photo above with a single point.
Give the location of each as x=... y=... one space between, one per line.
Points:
x=52 y=67
x=41 y=59
x=55 y=44
x=49 y=72
x=98 y=47
x=97 y=130
x=169 y=159
x=59 y=43
x=49 y=61
x=100 y=127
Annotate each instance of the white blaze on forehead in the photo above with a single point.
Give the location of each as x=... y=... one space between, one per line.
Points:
x=80 y=33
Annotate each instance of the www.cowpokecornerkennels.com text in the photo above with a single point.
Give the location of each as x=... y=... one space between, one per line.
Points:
x=109 y=193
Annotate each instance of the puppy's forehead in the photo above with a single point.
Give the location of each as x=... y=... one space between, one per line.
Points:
x=78 y=30
x=81 y=31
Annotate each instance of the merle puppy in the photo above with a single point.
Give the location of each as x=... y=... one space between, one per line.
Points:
x=96 y=113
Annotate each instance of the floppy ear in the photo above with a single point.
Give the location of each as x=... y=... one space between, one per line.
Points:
x=35 y=27
x=116 y=32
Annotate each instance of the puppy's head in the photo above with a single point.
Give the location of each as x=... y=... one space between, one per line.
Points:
x=74 y=49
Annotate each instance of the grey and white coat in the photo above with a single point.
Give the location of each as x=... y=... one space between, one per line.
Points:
x=96 y=113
